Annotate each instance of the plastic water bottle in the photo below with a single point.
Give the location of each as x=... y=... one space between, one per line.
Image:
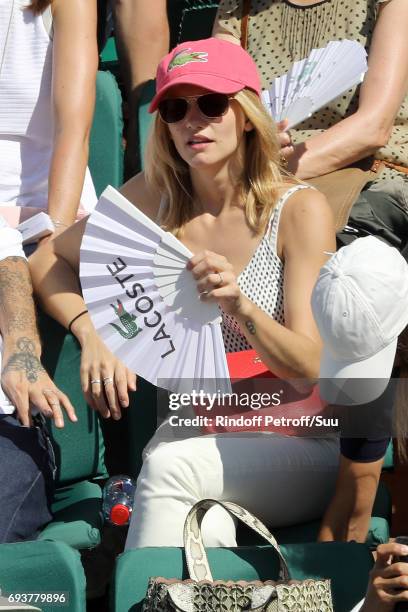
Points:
x=117 y=500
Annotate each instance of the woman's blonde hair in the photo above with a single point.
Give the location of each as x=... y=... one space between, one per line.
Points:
x=257 y=188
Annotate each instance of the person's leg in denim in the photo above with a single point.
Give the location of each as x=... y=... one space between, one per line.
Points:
x=26 y=479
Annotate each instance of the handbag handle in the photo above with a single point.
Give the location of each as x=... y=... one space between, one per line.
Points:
x=246 y=6
x=196 y=557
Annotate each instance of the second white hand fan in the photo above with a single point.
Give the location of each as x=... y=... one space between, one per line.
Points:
x=144 y=303
x=315 y=81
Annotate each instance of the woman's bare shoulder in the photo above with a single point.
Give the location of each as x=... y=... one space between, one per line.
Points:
x=306 y=218
x=142 y=195
x=307 y=201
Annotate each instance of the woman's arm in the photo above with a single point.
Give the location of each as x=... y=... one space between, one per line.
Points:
x=382 y=93
x=348 y=514
x=142 y=39
x=75 y=62
x=306 y=233
x=54 y=270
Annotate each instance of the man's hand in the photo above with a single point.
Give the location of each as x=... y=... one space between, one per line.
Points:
x=23 y=378
x=388 y=581
x=25 y=382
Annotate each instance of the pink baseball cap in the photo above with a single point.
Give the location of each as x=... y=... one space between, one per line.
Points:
x=217 y=65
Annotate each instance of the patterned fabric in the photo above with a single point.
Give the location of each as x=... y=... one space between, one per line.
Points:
x=308 y=596
x=281 y=33
x=261 y=281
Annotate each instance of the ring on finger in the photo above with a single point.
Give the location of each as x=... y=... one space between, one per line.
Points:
x=96 y=381
x=107 y=380
x=221 y=281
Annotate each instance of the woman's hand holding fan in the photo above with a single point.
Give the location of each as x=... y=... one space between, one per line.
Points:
x=216 y=281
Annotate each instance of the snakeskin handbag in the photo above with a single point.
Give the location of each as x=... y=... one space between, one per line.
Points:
x=202 y=594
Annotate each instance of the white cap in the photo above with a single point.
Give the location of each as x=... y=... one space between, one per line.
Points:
x=360 y=304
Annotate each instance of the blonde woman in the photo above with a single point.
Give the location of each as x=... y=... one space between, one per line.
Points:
x=213 y=178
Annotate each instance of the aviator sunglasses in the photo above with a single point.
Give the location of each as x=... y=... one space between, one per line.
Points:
x=211 y=105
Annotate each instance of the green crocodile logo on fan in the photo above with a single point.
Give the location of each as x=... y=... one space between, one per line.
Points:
x=184 y=57
x=131 y=328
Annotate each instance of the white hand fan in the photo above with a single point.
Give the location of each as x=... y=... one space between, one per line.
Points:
x=144 y=303
x=315 y=81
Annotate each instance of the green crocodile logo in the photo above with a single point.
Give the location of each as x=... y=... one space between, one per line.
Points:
x=184 y=57
x=127 y=320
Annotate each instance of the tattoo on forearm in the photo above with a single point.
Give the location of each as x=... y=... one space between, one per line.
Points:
x=17 y=310
x=25 y=360
x=250 y=327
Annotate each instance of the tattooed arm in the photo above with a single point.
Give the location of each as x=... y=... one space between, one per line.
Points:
x=23 y=378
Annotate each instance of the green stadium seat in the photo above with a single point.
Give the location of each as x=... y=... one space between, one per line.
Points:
x=389 y=457
x=76 y=516
x=108 y=59
x=79 y=448
x=43 y=567
x=145 y=119
x=106 y=148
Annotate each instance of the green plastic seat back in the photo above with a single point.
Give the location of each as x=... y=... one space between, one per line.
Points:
x=79 y=447
x=44 y=567
x=108 y=59
x=106 y=149
x=347 y=565
x=191 y=19
x=389 y=457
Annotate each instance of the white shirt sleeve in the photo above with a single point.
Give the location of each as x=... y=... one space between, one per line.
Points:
x=10 y=241
x=358 y=606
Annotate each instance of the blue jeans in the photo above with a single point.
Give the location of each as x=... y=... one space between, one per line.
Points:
x=26 y=479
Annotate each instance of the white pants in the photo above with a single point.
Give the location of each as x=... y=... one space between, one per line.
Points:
x=283 y=480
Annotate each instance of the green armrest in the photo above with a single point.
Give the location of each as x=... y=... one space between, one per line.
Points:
x=77 y=516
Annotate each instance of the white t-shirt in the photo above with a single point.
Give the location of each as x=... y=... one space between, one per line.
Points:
x=10 y=246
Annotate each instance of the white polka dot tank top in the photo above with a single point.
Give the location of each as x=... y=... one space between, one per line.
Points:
x=261 y=280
